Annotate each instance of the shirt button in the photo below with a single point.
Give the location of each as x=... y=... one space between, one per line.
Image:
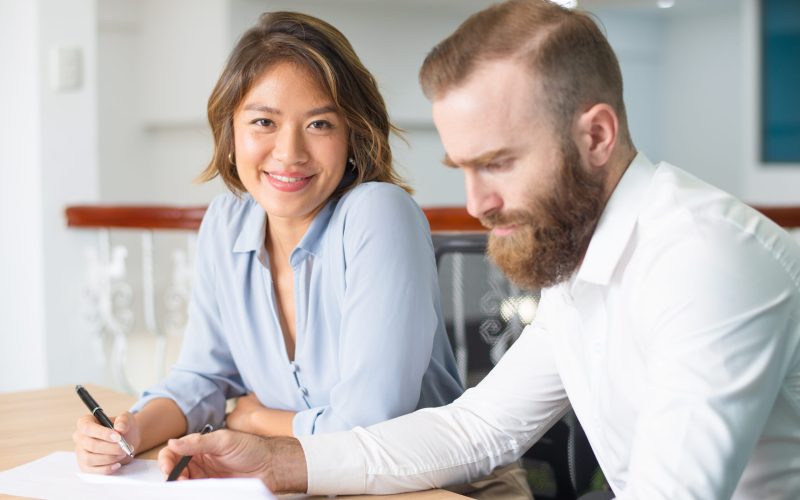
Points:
x=294 y=367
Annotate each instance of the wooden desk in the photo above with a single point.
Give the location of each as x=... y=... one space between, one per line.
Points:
x=36 y=423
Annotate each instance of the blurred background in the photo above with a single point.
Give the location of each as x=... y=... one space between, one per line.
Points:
x=103 y=102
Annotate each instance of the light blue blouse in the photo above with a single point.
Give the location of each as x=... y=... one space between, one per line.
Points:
x=371 y=343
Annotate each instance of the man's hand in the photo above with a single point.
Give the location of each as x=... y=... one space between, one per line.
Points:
x=279 y=462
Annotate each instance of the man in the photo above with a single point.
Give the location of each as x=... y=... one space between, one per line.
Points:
x=669 y=319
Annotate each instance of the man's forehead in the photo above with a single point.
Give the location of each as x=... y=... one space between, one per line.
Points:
x=484 y=116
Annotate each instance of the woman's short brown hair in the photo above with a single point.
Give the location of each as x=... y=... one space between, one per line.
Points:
x=325 y=52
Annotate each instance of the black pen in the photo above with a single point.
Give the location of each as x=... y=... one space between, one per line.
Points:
x=97 y=412
x=184 y=461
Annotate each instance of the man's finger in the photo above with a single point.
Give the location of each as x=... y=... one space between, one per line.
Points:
x=213 y=443
x=167 y=460
x=195 y=471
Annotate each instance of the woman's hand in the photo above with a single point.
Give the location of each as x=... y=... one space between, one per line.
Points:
x=278 y=462
x=250 y=416
x=97 y=447
x=244 y=414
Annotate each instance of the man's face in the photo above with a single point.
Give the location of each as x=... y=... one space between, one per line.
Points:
x=523 y=181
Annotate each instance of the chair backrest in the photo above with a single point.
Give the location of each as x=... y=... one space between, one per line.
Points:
x=484 y=315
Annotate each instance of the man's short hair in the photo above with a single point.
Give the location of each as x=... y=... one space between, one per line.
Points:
x=570 y=57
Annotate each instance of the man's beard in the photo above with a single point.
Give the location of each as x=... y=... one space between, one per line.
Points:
x=552 y=235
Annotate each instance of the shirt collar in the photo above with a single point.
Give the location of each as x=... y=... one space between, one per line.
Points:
x=312 y=240
x=616 y=224
x=254 y=227
x=252 y=235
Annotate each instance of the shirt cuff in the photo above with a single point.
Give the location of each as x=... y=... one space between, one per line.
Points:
x=335 y=464
x=305 y=421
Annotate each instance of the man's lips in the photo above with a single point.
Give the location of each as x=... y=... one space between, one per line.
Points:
x=504 y=230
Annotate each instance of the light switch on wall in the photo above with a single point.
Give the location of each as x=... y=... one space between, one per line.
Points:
x=66 y=68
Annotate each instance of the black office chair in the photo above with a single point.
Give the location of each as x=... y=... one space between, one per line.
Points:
x=484 y=315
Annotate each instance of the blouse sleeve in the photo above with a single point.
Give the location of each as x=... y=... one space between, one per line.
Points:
x=389 y=314
x=205 y=374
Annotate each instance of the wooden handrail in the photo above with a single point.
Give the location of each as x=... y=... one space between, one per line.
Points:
x=788 y=217
x=169 y=217
x=135 y=216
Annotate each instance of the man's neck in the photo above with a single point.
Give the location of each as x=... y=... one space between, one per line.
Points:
x=618 y=164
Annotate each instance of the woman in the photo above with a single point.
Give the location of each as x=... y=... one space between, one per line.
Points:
x=315 y=298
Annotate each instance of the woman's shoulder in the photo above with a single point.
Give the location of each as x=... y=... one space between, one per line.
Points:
x=377 y=196
x=229 y=206
x=229 y=213
x=379 y=206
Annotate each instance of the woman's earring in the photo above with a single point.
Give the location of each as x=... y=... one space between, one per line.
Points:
x=351 y=161
x=230 y=159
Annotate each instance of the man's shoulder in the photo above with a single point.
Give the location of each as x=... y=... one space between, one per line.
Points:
x=680 y=205
x=687 y=222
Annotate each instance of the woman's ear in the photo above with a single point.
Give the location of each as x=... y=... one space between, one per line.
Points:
x=595 y=134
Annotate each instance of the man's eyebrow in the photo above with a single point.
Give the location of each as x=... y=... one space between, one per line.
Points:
x=477 y=161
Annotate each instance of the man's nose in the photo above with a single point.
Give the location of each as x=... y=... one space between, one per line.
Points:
x=482 y=198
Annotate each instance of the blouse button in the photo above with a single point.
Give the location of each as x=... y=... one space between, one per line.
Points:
x=303 y=391
x=294 y=367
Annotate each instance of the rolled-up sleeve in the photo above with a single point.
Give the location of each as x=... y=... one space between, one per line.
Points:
x=205 y=374
x=389 y=314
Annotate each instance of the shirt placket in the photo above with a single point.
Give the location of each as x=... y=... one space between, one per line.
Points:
x=302 y=389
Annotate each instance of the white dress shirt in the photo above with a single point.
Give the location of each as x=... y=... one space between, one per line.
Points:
x=677 y=343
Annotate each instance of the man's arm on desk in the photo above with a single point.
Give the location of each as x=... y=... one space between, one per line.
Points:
x=278 y=461
x=489 y=426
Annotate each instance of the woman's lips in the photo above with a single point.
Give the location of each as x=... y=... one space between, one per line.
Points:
x=287 y=182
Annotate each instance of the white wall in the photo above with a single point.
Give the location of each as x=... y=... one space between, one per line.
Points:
x=702 y=95
x=637 y=38
x=157 y=64
x=50 y=156
x=23 y=362
x=69 y=176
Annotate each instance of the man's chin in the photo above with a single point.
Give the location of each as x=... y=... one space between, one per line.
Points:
x=526 y=266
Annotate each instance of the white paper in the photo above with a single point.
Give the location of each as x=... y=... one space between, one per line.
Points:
x=57 y=476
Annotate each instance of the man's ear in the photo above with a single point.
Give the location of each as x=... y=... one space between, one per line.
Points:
x=595 y=133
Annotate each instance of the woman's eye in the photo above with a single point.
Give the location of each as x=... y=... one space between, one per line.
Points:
x=321 y=124
x=263 y=122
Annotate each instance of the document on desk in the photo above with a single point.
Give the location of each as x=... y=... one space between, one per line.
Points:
x=57 y=476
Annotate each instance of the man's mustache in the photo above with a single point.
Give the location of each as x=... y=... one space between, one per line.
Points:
x=510 y=218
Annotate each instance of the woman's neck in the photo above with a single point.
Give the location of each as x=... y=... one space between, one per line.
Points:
x=283 y=235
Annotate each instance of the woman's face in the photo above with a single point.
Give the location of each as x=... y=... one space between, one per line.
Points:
x=291 y=143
